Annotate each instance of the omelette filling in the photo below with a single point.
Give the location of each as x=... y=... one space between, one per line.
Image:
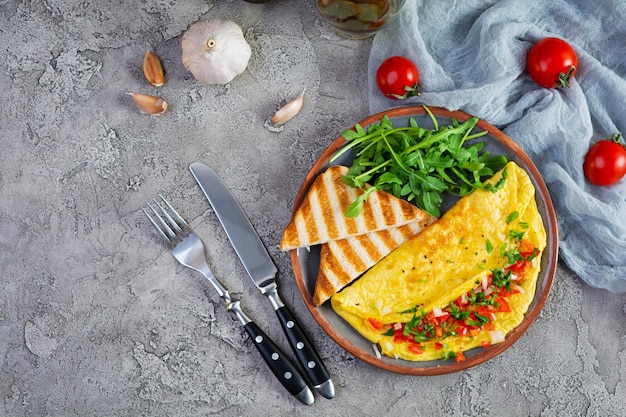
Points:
x=473 y=314
x=463 y=282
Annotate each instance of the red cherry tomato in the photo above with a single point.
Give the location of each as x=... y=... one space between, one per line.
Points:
x=605 y=162
x=397 y=78
x=552 y=62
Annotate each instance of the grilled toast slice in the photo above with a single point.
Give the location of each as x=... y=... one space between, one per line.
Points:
x=320 y=218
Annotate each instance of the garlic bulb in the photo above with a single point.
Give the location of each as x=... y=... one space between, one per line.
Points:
x=215 y=51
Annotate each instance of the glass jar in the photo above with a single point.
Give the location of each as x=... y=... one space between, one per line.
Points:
x=359 y=19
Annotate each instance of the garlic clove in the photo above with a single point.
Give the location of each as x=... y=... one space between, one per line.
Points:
x=149 y=104
x=289 y=110
x=153 y=70
x=215 y=51
x=285 y=113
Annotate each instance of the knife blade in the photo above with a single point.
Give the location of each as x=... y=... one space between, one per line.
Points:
x=262 y=271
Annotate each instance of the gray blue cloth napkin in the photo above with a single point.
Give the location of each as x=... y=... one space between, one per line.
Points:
x=471 y=56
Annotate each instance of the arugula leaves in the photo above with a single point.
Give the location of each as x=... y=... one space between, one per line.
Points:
x=418 y=164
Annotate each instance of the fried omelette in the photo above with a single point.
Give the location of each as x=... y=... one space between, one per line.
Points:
x=464 y=281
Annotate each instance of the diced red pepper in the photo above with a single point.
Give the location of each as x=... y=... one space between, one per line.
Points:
x=415 y=348
x=377 y=324
x=438 y=331
x=504 y=306
x=459 y=357
x=400 y=337
x=438 y=346
x=486 y=344
x=484 y=311
x=430 y=318
x=462 y=300
x=502 y=292
x=520 y=268
x=526 y=248
x=462 y=330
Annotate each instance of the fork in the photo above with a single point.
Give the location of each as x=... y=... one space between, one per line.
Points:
x=189 y=250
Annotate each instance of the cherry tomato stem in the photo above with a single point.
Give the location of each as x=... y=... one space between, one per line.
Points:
x=617 y=138
x=564 y=78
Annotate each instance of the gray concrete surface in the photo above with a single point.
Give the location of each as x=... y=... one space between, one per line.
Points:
x=97 y=319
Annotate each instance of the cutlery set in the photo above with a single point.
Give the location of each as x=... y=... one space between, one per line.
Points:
x=189 y=250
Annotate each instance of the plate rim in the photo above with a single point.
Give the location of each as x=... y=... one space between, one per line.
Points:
x=551 y=250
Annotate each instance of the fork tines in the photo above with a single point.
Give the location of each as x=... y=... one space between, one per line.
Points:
x=174 y=228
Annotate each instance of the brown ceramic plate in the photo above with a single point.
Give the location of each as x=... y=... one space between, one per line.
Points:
x=305 y=261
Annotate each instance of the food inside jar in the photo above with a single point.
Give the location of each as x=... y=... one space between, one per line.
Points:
x=357 y=16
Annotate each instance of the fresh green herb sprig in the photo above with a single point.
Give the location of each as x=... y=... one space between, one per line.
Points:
x=418 y=164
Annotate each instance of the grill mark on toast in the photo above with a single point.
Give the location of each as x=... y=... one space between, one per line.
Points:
x=389 y=208
x=372 y=213
x=370 y=244
x=314 y=227
x=346 y=194
x=328 y=205
x=328 y=280
x=343 y=251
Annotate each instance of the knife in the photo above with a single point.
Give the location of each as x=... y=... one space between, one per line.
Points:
x=262 y=270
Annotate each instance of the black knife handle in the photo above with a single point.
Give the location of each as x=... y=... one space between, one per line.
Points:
x=305 y=350
x=280 y=364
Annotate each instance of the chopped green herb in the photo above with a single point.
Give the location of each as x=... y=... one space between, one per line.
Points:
x=421 y=337
x=512 y=217
x=503 y=248
x=500 y=279
x=414 y=322
x=481 y=319
x=516 y=235
x=448 y=354
x=456 y=313
x=489 y=246
x=513 y=255
x=532 y=255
